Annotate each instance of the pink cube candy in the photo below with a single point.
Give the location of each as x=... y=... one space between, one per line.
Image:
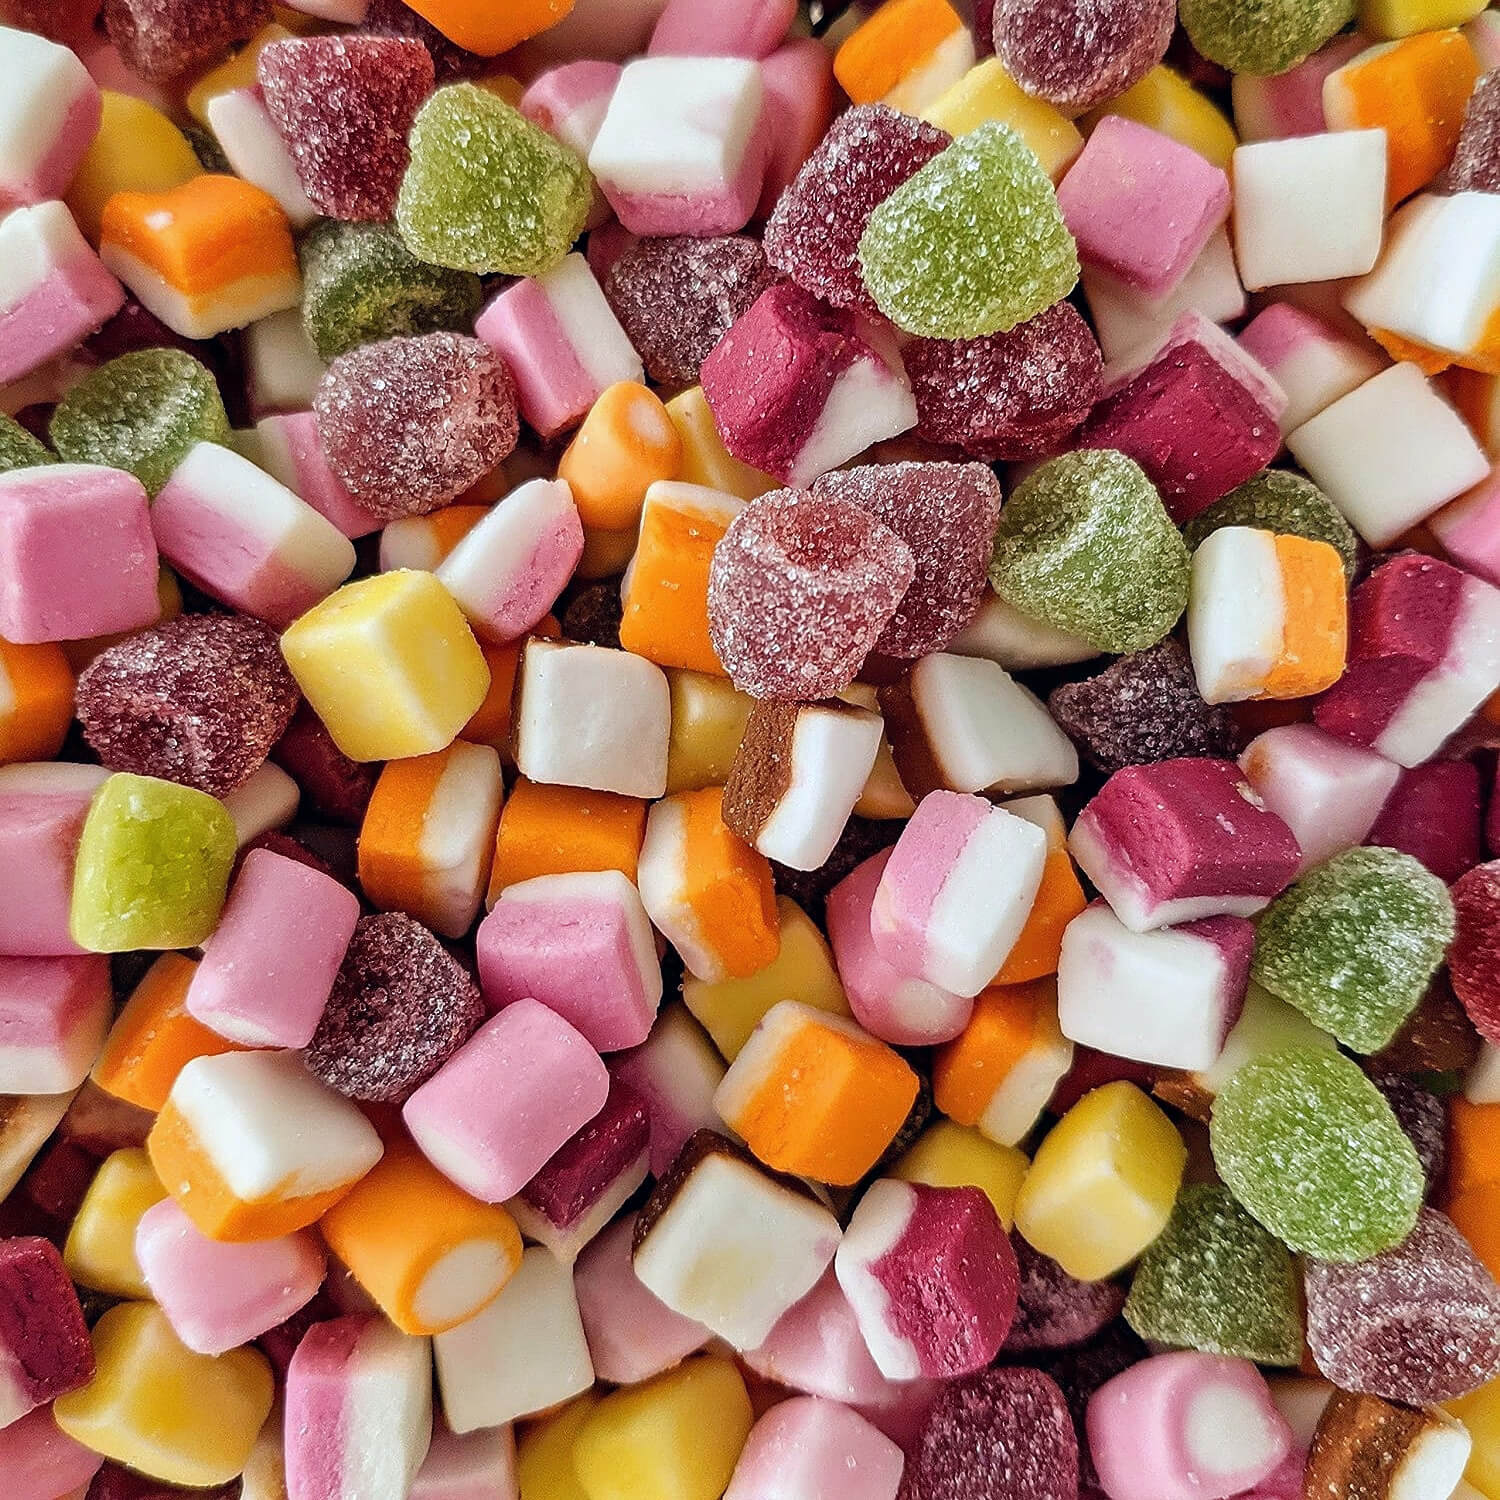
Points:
x=507 y=571
x=292 y=454
x=44 y=1342
x=632 y=1334
x=1168 y=997
x=77 y=557
x=246 y=540
x=42 y=808
x=580 y=944
x=41 y=1462
x=753 y=28
x=798 y=80
x=1197 y=413
x=54 y=291
x=1185 y=1426
x=570 y=102
x=358 y=1410
x=51 y=112
x=218 y=1296
x=54 y=1013
x=493 y=1115
x=1424 y=653
x=677 y=1071
x=797 y=388
x=269 y=966
x=956 y=891
x=1182 y=840
x=1288 y=104
x=1141 y=205
x=469 y=1466
x=1469 y=529
x=255 y=150
x=1312 y=363
x=1433 y=815
x=562 y=343
x=900 y=1010
x=807 y=1447
x=931 y=1276
x=1327 y=792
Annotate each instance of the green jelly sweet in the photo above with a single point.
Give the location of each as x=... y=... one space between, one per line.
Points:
x=1085 y=545
x=1216 y=1281
x=972 y=244
x=1309 y=1145
x=141 y=412
x=1354 y=944
x=1262 y=36
x=18 y=449
x=153 y=866
x=487 y=191
x=1282 y=502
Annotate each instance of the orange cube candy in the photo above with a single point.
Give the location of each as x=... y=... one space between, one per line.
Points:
x=626 y=444
x=666 y=588
x=1476 y=1213
x=906 y=55
x=213 y=254
x=491 y=722
x=36 y=700
x=562 y=830
x=1058 y=899
x=1473 y=1145
x=490 y=27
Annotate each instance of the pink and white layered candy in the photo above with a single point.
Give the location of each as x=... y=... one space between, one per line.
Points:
x=677 y=1071
x=1389 y=453
x=49 y=112
x=54 y=1014
x=54 y=290
x=41 y=1462
x=507 y=571
x=292 y=454
x=1182 y=840
x=358 y=1410
x=753 y=29
x=562 y=343
x=245 y=539
x=282 y=369
x=683 y=146
x=798 y=388
x=1288 y=104
x=810 y=1449
x=524 y=1354
x=956 y=891
x=1469 y=529
x=473 y=1466
x=1424 y=653
x=931 y=1276
x=1141 y=205
x=218 y=1296
x=1313 y=363
x=77 y=558
x=1185 y=1426
x=268 y=967
x=1168 y=997
x=580 y=944
x=903 y=1011
x=511 y=1096
x=570 y=101
x=254 y=149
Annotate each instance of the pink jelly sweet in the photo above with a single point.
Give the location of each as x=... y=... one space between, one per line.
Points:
x=1080 y=53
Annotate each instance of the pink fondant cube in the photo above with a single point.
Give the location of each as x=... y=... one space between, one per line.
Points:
x=809 y=1447
x=41 y=1462
x=1313 y=363
x=468 y=1466
x=54 y=1013
x=688 y=28
x=1286 y=104
x=1469 y=528
x=798 y=80
x=48 y=119
x=570 y=101
x=677 y=1071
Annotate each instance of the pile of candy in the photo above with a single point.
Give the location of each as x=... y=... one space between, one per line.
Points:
x=744 y=750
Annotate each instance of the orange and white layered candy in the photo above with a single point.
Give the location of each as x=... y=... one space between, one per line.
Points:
x=36 y=700
x=1267 y=616
x=907 y=55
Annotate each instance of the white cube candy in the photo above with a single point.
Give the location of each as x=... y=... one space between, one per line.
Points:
x=1000 y=633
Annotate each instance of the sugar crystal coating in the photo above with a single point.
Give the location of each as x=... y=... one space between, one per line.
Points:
x=18 y=448
x=1262 y=36
x=799 y=591
x=1475 y=167
x=1424 y=1118
x=973 y=244
x=1078 y=53
x=1214 y=1280
x=141 y=412
x=1474 y=960
x=199 y=700
x=1419 y=1323
x=1355 y=943
x=1086 y=545
x=676 y=296
x=1279 y=501
x=946 y=513
x=401 y=1007
x=1055 y=1310
x=1306 y=1142
x=1011 y=395
x=163 y=39
x=488 y=191
x=410 y=423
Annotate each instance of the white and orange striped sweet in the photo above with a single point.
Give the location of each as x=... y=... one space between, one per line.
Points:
x=908 y=54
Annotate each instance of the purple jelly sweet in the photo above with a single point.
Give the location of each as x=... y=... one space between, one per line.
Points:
x=344 y=105
x=946 y=513
x=1079 y=1372
x=397 y=18
x=1424 y=1118
x=799 y=591
x=200 y=700
x=409 y=424
x=1419 y=1323
x=1432 y=814
x=1078 y=53
x=677 y=296
x=163 y=39
x=1055 y=1310
x=334 y=786
x=401 y=1006
x=1015 y=395
x=115 y=1482
x=44 y=1342
x=1475 y=167
x=813 y=235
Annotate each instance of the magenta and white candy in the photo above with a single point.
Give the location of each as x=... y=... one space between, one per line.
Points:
x=1313 y=363
x=470 y=1466
x=811 y=1449
x=54 y=1013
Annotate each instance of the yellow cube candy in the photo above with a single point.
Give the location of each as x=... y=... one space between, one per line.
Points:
x=1479 y=1411
x=100 y=1252
x=802 y=970
x=709 y=715
x=677 y=1437
x=1102 y=1184
x=137 y=150
x=1389 y=20
x=947 y=1154
x=154 y=1405
x=237 y=72
x=705 y=460
x=389 y=664
x=1167 y=102
x=544 y=1453
x=988 y=92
